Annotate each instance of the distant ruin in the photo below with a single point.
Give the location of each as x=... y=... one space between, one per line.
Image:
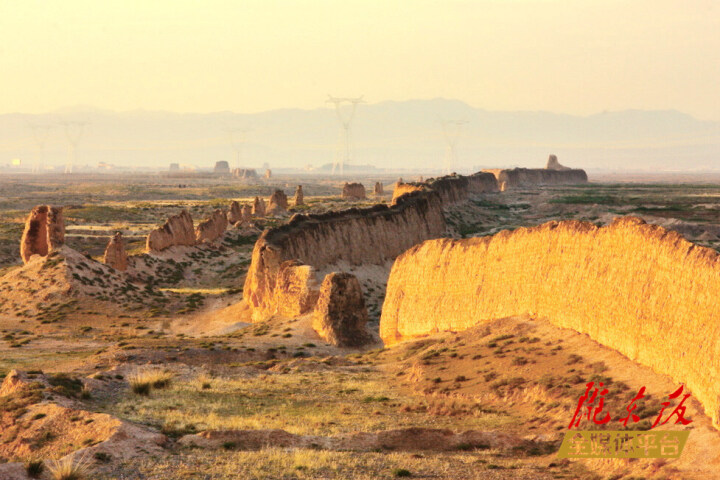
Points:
x=278 y=203
x=44 y=232
x=115 y=255
x=553 y=164
x=211 y=228
x=378 y=190
x=299 y=196
x=177 y=230
x=452 y=188
x=639 y=289
x=245 y=173
x=221 y=168
x=234 y=213
x=552 y=174
x=354 y=191
x=258 y=207
x=245 y=214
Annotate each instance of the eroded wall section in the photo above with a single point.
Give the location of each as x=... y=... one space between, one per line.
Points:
x=639 y=289
x=528 y=177
x=357 y=236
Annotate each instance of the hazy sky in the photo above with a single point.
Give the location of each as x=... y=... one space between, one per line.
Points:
x=569 y=56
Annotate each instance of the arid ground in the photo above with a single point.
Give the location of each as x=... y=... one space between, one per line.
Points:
x=173 y=381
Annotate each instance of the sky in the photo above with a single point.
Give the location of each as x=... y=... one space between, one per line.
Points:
x=567 y=56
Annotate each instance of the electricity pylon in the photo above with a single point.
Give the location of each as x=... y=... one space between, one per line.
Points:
x=342 y=154
x=40 y=135
x=73 y=133
x=451 y=132
x=237 y=139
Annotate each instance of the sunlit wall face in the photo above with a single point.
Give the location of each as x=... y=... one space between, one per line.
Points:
x=580 y=56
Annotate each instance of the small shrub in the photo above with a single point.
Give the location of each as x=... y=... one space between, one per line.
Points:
x=143 y=381
x=519 y=361
x=102 y=457
x=34 y=469
x=401 y=472
x=574 y=359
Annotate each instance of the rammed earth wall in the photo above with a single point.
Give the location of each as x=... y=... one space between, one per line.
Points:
x=639 y=289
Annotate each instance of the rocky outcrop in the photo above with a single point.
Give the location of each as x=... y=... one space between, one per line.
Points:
x=44 y=232
x=378 y=190
x=211 y=228
x=451 y=188
x=553 y=164
x=529 y=177
x=177 y=230
x=258 y=207
x=357 y=236
x=340 y=315
x=639 y=289
x=299 y=197
x=353 y=191
x=115 y=255
x=278 y=203
x=234 y=213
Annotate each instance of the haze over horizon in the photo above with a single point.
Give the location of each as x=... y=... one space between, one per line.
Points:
x=579 y=57
x=397 y=135
x=609 y=84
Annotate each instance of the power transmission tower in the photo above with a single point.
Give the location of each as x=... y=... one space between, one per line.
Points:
x=451 y=132
x=73 y=133
x=342 y=155
x=237 y=138
x=40 y=135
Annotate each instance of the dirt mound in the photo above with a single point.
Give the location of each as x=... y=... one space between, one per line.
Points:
x=40 y=417
x=45 y=283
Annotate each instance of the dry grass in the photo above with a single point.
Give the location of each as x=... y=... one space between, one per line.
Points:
x=306 y=464
x=143 y=381
x=70 y=468
x=316 y=402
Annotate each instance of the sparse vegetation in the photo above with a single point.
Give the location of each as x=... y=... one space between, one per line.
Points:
x=143 y=381
x=69 y=468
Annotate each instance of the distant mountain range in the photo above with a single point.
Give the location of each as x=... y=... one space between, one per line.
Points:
x=388 y=135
